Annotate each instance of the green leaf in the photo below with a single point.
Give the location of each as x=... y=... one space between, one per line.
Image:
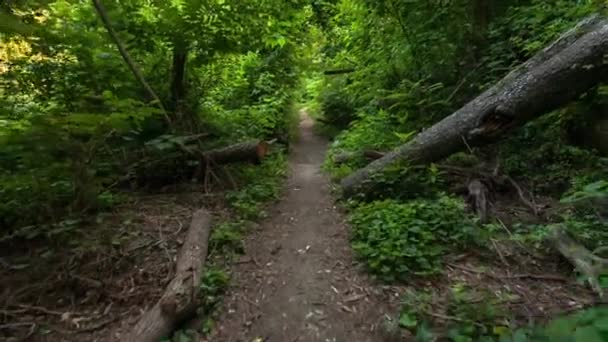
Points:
x=587 y=334
x=407 y=321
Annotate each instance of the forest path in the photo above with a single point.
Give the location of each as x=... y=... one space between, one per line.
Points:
x=297 y=280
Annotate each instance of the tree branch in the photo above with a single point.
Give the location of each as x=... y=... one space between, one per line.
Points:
x=103 y=15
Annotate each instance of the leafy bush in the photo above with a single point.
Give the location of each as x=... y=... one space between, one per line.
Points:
x=475 y=310
x=264 y=184
x=336 y=107
x=74 y=120
x=589 y=325
x=588 y=216
x=227 y=236
x=214 y=283
x=526 y=29
x=370 y=132
x=583 y=214
x=398 y=239
x=373 y=131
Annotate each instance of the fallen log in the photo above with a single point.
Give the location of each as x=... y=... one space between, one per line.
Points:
x=339 y=71
x=181 y=297
x=345 y=157
x=555 y=76
x=588 y=263
x=185 y=162
x=250 y=151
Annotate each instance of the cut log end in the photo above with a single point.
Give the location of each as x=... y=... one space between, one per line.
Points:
x=262 y=150
x=250 y=151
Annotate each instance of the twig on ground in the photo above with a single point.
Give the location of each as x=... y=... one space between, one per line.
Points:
x=516 y=276
x=529 y=203
x=15 y=325
x=163 y=245
x=88 y=281
x=504 y=226
x=250 y=301
x=99 y=325
x=452 y=318
x=39 y=309
x=230 y=178
x=539 y=277
x=470 y=270
x=499 y=252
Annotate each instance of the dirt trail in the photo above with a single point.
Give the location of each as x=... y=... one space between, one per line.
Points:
x=297 y=280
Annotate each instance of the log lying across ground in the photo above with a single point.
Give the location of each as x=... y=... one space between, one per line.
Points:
x=588 y=263
x=184 y=162
x=250 y=151
x=345 y=157
x=339 y=71
x=181 y=297
x=560 y=73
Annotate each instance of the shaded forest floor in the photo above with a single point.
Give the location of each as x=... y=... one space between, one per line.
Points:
x=296 y=280
x=102 y=275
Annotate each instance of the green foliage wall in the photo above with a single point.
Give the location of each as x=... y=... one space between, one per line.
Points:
x=73 y=119
x=414 y=62
x=417 y=61
x=397 y=240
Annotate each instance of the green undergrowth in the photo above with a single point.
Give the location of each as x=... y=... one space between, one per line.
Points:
x=264 y=184
x=588 y=325
x=408 y=218
x=214 y=283
x=399 y=239
x=583 y=215
x=469 y=321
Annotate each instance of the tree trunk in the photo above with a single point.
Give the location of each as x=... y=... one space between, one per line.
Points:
x=339 y=71
x=345 y=157
x=126 y=57
x=178 y=77
x=586 y=262
x=250 y=151
x=157 y=168
x=555 y=76
x=181 y=297
x=481 y=22
x=183 y=115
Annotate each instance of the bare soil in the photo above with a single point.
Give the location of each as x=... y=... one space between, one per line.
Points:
x=297 y=280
